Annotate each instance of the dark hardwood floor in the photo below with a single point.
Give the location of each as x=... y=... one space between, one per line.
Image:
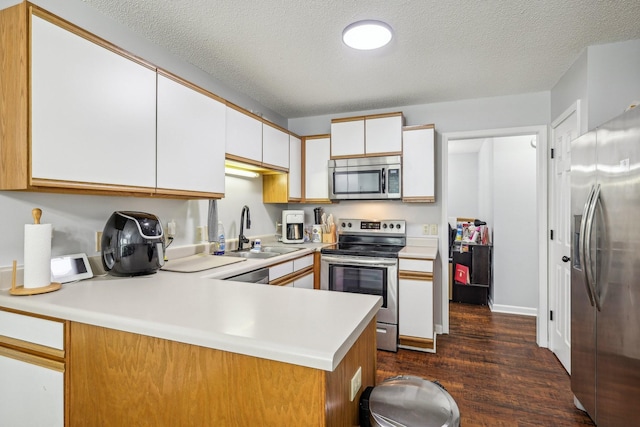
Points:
x=492 y=367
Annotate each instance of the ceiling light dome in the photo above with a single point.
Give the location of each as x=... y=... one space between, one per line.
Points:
x=367 y=35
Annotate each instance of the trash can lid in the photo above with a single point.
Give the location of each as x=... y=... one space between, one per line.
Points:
x=408 y=401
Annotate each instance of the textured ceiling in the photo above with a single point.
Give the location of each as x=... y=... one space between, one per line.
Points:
x=288 y=54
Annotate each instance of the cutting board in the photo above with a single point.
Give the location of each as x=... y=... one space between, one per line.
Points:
x=199 y=262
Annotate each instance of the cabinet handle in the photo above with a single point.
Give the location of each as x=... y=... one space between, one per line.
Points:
x=566 y=259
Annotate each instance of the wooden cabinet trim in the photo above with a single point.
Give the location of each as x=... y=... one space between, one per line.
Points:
x=416 y=199
x=415 y=275
x=424 y=343
x=418 y=127
x=62 y=23
x=383 y=115
x=242 y=160
x=347 y=119
x=32 y=348
x=190 y=85
x=292 y=277
x=32 y=359
x=14 y=98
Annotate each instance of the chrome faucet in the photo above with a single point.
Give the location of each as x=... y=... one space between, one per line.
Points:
x=242 y=239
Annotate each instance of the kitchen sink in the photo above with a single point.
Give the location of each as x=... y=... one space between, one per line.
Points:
x=249 y=255
x=266 y=252
x=278 y=249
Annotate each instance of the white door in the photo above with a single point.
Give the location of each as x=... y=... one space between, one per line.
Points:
x=564 y=130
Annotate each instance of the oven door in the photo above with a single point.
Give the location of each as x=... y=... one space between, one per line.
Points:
x=364 y=275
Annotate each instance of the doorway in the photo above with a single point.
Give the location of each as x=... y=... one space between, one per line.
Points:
x=536 y=232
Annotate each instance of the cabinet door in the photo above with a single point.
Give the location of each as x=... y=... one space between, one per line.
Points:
x=275 y=147
x=191 y=131
x=316 y=173
x=383 y=135
x=30 y=395
x=415 y=300
x=304 y=282
x=347 y=137
x=93 y=111
x=295 y=168
x=244 y=136
x=418 y=164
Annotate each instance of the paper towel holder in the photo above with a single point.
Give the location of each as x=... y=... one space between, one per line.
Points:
x=20 y=289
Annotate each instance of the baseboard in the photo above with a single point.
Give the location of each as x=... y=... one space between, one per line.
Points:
x=512 y=309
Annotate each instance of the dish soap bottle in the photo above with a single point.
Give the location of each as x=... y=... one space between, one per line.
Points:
x=220 y=247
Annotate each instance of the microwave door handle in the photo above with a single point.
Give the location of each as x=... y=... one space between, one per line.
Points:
x=384 y=181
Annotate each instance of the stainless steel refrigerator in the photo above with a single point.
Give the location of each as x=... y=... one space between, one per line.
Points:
x=605 y=273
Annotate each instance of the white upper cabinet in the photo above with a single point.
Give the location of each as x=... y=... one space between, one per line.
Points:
x=418 y=164
x=191 y=139
x=244 y=137
x=347 y=137
x=275 y=147
x=383 y=134
x=93 y=111
x=295 y=168
x=375 y=135
x=316 y=173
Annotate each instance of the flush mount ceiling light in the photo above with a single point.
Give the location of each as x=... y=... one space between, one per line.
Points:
x=367 y=35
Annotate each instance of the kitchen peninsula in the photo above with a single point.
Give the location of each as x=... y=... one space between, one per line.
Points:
x=184 y=349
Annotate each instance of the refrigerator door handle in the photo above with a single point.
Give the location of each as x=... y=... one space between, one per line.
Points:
x=591 y=280
x=581 y=243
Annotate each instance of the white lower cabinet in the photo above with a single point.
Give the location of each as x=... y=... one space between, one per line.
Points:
x=304 y=282
x=416 y=327
x=30 y=395
x=297 y=273
x=31 y=371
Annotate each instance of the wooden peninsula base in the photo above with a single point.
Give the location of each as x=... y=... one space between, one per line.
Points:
x=118 y=378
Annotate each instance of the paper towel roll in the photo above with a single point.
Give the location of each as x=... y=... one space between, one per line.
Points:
x=37 y=255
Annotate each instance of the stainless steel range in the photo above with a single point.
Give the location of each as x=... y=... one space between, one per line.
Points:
x=365 y=261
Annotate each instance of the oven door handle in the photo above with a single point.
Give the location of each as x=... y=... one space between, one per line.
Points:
x=359 y=261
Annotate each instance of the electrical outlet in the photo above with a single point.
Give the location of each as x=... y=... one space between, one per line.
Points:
x=356 y=383
x=434 y=229
x=426 y=228
x=98 y=241
x=201 y=234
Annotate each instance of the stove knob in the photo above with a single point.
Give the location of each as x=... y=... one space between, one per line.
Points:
x=343 y=225
x=349 y=225
x=384 y=225
x=391 y=226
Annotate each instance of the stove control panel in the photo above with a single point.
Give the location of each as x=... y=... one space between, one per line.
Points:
x=386 y=226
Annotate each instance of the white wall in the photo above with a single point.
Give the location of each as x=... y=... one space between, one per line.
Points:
x=463 y=182
x=604 y=78
x=485 y=182
x=75 y=219
x=613 y=79
x=515 y=233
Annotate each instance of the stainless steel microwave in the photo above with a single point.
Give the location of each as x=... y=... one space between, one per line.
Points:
x=365 y=178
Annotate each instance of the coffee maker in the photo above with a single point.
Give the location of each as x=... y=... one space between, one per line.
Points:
x=293 y=226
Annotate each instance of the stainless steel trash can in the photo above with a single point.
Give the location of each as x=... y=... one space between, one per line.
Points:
x=408 y=401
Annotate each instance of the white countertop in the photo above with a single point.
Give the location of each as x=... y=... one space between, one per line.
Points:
x=305 y=327
x=424 y=248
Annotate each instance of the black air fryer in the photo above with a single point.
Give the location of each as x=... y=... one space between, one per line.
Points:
x=132 y=244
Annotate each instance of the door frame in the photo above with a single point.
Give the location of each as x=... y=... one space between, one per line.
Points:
x=541 y=132
x=574 y=108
